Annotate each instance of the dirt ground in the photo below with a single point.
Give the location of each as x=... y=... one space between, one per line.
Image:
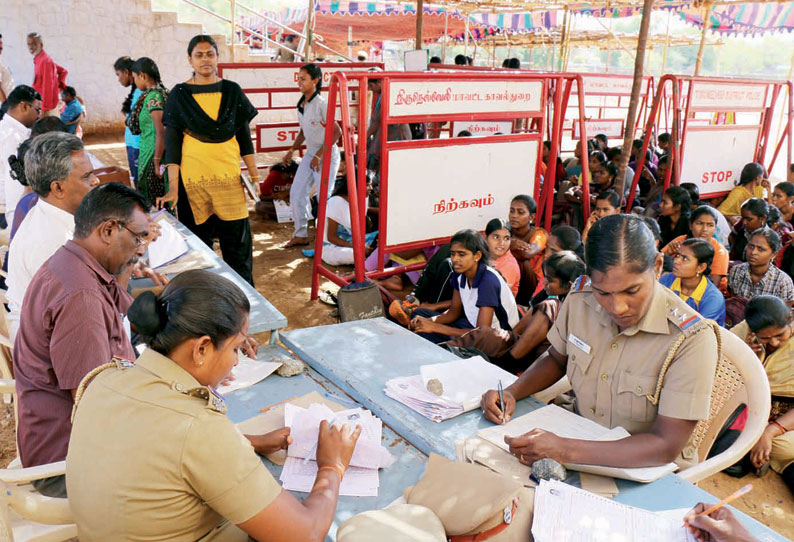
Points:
x=283 y=276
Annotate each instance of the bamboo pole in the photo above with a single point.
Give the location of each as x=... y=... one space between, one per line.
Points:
x=446 y=34
x=466 y=37
x=636 y=87
x=701 y=48
x=420 y=10
x=564 y=38
x=666 y=41
x=307 y=53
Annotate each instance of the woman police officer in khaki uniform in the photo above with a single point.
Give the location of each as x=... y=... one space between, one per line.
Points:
x=635 y=354
x=152 y=454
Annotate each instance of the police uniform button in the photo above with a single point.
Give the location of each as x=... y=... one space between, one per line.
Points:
x=604 y=377
x=178 y=387
x=573 y=357
x=614 y=346
x=639 y=389
x=592 y=411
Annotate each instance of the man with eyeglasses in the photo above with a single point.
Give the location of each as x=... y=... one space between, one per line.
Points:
x=71 y=320
x=6 y=80
x=49 y=78
x=22 y=110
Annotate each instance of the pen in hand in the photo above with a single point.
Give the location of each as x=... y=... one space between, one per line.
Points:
x=501 y=401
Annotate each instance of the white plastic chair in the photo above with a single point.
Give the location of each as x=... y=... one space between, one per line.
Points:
x=740 y=379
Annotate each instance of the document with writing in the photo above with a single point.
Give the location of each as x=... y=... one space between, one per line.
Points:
x=248 y=372
x=566 y=424
x=463 y=381
x=565 y=513
x=168 y=247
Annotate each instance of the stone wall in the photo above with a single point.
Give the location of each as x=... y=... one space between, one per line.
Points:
x=87 y=36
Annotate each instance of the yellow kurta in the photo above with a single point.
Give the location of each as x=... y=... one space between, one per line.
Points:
x=211 y=172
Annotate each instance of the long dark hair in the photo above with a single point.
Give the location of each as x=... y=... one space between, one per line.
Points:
x=473 y=242
x=147 y=66
x=703 y=251
x=124 y=64
x=617 y=240
x=180 y=312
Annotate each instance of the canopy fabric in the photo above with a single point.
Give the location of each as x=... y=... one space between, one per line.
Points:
x=745 y=18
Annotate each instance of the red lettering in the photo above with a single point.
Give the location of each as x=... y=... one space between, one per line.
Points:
x=293 y=134
x=281 y=135
x=716 y=176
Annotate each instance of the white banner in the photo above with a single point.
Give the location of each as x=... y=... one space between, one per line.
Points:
x=482 y=128
x=270 y=137
x=471 y=97
x=719 y=96
x=286 y=76
x=608 y=127
x=610 y=85
x=456 y=187
x=714 y=157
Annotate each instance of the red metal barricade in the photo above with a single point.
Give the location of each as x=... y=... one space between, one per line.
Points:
x=706 y=150
x=470 y=174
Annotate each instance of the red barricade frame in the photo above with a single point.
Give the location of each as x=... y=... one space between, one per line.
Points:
x=681 y=117
x=355 y=157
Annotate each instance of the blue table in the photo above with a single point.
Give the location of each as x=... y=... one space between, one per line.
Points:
x=361 y=356
x=673 y=492
x=406 y=470
x=264 y=316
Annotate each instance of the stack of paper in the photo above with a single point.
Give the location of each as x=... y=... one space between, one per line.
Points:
x=564 y=513
x=566 y=424
x=300 y=469
x=247 y=373
x=168 y=247
x=457 y=387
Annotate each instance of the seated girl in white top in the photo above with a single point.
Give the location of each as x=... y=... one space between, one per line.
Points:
x=337 y=245
x=481 y=297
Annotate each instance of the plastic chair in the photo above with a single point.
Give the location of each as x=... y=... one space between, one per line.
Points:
x=26 y=514
x=740 y=379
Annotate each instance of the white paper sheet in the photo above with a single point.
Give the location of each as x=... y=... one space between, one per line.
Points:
x=283 y=211
x=358 y=482
x=410 y=391
x=304 y=423
x=465 y=380
x=248 y=372
x=168 y=247
x=566 y=424
x=564 y=513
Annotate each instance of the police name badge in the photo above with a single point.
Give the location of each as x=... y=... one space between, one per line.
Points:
x=579 y=343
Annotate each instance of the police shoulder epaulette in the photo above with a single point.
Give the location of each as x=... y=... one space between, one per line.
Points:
x=215 y=401
x=117 y=363
x=580 y=283
x=686 y=320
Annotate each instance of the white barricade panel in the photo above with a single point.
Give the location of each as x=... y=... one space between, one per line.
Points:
x=608 y=127
x=436 y=191
x=720 y=96
x=481 y=128
x=428 y=98
x=714 y=156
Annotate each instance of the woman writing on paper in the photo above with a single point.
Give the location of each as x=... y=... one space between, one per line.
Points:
x=193 y=475
x=636 y=356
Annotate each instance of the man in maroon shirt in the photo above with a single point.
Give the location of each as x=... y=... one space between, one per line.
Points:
x=71 y=321
x=49 y=78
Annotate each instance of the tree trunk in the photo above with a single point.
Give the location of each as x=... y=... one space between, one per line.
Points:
x=636 y=87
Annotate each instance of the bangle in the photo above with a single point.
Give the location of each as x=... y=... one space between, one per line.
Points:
x=334 y=468
x=783 y=430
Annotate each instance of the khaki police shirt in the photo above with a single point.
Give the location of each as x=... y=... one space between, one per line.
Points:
x=613 y=372
x=148 y=461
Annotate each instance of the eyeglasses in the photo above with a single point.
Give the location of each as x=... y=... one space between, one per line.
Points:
x=38 y=109
x=140 y=238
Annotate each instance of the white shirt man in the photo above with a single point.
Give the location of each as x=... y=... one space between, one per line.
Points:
x=12 y=133
x=45 y=229
x=50 y=224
